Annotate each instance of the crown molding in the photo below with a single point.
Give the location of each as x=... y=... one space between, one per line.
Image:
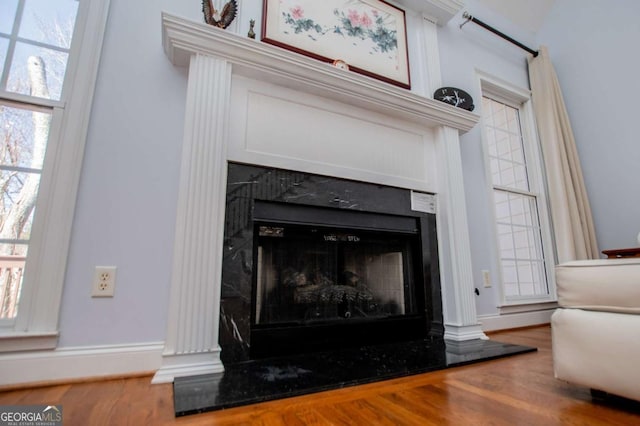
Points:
x=440 y=10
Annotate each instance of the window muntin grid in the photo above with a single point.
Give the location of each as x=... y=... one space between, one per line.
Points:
x=518 y=228
x=35 y=28
x=35 y=40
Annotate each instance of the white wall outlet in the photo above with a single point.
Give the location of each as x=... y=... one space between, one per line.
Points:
x=486 y=278
x=104 y=281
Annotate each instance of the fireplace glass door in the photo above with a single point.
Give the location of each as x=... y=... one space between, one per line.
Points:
x=313 y=274
x=332 y=278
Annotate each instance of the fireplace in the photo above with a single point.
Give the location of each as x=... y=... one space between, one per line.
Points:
x=253 y=103
x=318 y=263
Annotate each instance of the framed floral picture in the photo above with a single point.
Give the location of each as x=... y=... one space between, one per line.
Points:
x=368 y=35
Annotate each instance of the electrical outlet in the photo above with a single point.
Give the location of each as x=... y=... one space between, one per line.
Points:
x=486 y=278
x=104 y=281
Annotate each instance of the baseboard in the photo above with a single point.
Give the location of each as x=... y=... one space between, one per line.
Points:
x=515 y=320
x=79 y=362
x=180 y=365
x=102 y=361
x=463 y=333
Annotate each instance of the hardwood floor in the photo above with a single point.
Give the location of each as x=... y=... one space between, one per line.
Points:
x=518 y=390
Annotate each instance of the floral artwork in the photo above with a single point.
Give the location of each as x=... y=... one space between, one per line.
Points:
x=369 y=35
x=363 y=26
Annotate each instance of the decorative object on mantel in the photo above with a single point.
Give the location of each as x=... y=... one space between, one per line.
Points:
x=340 y=64
x=369 y=35
x=638 y=239
x=220 y=20
x=251 y=33
x=455 y=97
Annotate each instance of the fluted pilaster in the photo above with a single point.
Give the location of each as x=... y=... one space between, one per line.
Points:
x=460 y=315
x=192 y=346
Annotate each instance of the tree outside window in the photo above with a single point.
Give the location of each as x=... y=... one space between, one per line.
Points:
x=35 y=39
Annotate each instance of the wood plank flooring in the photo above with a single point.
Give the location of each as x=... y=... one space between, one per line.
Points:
x=518 y=390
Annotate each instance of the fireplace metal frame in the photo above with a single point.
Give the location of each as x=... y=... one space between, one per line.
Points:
x=294 y=337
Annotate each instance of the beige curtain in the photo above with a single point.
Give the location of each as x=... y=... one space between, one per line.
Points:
x=570 y=211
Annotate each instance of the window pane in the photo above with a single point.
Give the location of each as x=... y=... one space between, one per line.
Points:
x=515 y=149
x=502 y=143
x=49 y=22
x=506 y=243
x=12 y=261
x=19 y=191
x=24 y=135
x=499 y=115
x=505 y=148
x=513 y=123
x=519 y=242
x=37 y=71
x=507 y=174
x=4 y=45
x=7 y=14
x=23 y=142
x=510 y=278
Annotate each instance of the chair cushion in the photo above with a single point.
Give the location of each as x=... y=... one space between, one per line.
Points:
x=609 y=285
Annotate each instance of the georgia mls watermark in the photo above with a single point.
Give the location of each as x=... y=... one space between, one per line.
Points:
x=30 y=415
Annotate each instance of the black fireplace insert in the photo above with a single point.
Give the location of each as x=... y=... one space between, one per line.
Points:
x=328 y=278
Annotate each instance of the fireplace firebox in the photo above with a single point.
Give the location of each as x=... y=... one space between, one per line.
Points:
x=315 y=263
x=327 y=278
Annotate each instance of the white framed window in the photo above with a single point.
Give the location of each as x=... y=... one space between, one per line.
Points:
x=49 y=53
x=516 y=178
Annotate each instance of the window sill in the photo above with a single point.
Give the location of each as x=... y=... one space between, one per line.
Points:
x=520 y=306
x=25 y=341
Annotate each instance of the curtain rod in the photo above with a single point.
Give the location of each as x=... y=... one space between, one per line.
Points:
x=469 y=17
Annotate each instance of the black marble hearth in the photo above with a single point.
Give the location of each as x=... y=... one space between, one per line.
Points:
x=262 y=380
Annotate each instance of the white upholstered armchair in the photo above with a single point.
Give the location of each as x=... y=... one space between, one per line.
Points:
x=596 y=330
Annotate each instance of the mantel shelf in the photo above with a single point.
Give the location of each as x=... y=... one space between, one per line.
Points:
x=183 y=38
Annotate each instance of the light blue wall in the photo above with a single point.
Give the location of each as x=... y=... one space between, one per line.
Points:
x=127 y=199
x=594 y=48
x=126 y=206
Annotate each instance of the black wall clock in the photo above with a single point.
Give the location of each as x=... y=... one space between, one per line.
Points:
x=455 y=97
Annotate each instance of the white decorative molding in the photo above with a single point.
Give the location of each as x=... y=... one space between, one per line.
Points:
x=515 y=320
x=461 y=333
x=197 y=266
x=460 y=317
x=441 y=11
x=25 y=341
x=79 y=363
x=265 y=62
x=431 y=57
x=185 y=365
x=521 y=307
x=268 y=121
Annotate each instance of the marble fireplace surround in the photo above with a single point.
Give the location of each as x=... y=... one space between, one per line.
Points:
x=253 y=103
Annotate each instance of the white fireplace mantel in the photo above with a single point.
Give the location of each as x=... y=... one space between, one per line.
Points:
x=239 y=88
x=182 y=38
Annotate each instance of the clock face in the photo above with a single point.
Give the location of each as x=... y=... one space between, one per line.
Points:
x=455 y=97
